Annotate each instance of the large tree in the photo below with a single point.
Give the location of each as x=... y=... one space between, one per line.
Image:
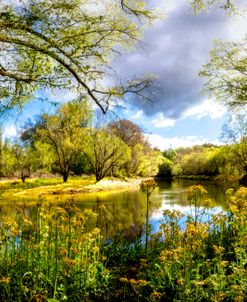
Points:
x=64 y=131
x=68 y=45
x=227 y=73
x=105 y=152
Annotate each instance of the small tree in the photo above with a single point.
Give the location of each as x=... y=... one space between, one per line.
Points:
x=3 y=145
x=23 y=161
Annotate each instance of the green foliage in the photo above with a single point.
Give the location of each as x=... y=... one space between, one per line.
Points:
x=204 y=162
x=165 y=168
x=197 y=160
x=80 y=165
x=235 y=132
x=66 y=45
x=64 y=132
x=51 y=256
x=23 y=161
x=106 y=153
x=226 y=73
x=144 y=161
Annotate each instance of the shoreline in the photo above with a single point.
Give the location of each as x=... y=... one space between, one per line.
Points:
x=52 y=188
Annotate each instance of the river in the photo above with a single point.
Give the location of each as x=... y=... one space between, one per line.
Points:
x=123 y=213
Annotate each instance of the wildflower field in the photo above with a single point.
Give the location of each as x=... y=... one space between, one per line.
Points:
x=56 y=254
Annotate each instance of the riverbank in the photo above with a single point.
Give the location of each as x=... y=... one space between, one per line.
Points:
x=52 y=187
x=217 y=178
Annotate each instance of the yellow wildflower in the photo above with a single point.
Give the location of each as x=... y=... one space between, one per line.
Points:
x=5 y=280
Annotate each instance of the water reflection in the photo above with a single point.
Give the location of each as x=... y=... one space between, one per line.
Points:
x=123 y=213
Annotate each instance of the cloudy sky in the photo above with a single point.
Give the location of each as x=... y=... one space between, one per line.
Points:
x=174 y=49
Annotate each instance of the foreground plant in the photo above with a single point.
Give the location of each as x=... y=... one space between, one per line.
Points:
x=201 y=260
x=52 y=255
x=56 y=254
x=147 y=186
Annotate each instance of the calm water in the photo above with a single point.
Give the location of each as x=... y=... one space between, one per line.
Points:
x=124 y=213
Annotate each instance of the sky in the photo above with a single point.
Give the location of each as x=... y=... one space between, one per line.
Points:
x=174 y=49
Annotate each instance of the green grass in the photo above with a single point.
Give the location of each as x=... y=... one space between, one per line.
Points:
x=36 y=187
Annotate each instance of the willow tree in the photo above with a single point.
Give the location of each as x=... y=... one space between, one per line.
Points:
x=67 y=44
x=65 y=132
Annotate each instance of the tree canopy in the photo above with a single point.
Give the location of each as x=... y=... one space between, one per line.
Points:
x=64 y=132
x=130 y=133
x=203 y=5
x=69 y=45
x=227 y=73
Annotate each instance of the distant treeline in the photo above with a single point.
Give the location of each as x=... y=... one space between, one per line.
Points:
x=228 y=161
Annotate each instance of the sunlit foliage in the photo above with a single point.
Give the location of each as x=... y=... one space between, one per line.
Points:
x=226 y=73
x=67 y=45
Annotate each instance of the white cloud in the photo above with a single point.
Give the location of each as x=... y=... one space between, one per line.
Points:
x=9 y=131
x=138 y=114
x=163 y=143
x=162 y=122
x=207 y=108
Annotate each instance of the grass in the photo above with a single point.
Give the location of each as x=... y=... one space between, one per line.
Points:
x=37 y=187
x=50 y=188
x=55 y=253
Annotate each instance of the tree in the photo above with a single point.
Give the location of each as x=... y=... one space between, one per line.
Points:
x=130 y=133
x=235 y=132
x=3 y=145
x=67 y=45
x=165 y=168
x=227 y=73
x=65 y=131
x=23 y=161
x=105 y=152
x=144 y=160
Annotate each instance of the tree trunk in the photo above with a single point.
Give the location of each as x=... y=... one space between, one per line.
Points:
x=98 y=178
x=243 y=180
x=65 y=177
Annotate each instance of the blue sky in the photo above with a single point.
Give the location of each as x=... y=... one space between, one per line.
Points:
x=174 y=49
